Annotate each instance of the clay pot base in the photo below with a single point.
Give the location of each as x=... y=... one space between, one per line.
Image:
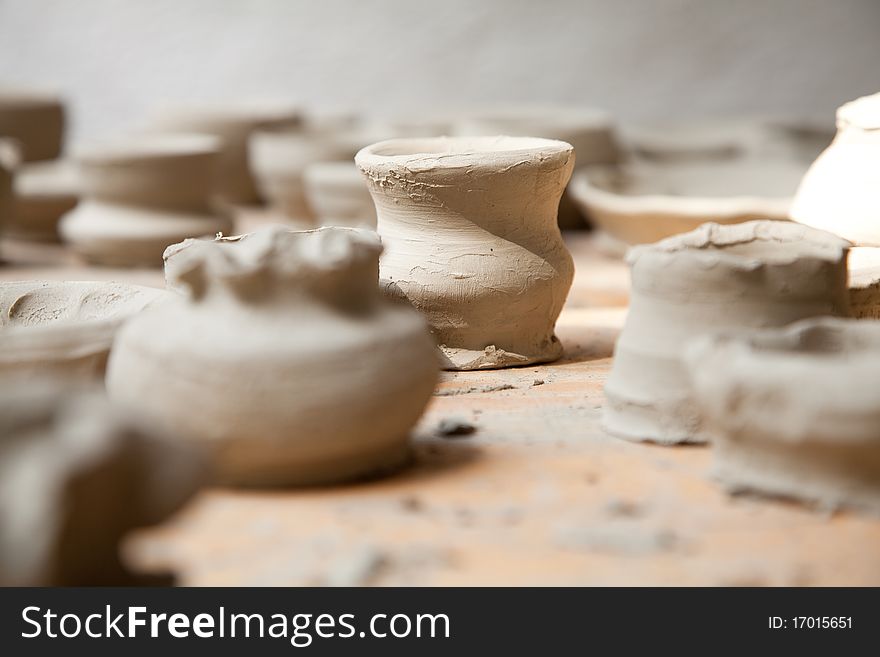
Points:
x=452 y=359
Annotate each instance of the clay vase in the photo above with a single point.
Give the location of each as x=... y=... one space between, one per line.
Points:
x=337 y=195
x=75 y=478
x=142 y=195
x=234 y=126
x=64 y=329
x=35 y=120
x=469 y=225
x=793 y=411
x=751 y=275
x=283 y=359
x=841 y=191
x=44 y=192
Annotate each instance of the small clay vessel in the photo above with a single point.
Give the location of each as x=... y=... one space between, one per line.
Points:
x=141 y=195
x=337 y=195
x=75 y=478
x=793 y=412
x=35 y=120
x=283 y=359
x=44 y=192
x=470 y=229
x=8 y=164
x=841 y=191
x=64 y=329
x=751 y=275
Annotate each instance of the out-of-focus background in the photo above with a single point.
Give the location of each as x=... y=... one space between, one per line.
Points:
x=640 y=59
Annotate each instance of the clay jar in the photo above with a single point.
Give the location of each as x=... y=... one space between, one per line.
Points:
x=141 y=195
x=35 y=120
x=841 y=191
x=469 y=225
x=337 y=195
x=283 y=358
x=64 y=329
x=793 y=411
x=751 y=275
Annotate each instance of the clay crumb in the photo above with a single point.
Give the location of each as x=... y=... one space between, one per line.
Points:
x=538 y=382
x=412 y=504
x=467 y=391
x=623 y=508
x=454 y=427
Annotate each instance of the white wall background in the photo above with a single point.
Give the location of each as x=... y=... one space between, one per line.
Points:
x=641 y=59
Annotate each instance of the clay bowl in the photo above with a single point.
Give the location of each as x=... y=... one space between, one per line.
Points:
x=64 y=329
x=644 y=202
x=35 y=120
x=44 y=192
x=795 y=412
x=337 y=195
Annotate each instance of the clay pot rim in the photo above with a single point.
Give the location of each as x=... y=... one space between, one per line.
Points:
x=150 y=149
x=456 y=152
x=19 y=98
x=862 y=113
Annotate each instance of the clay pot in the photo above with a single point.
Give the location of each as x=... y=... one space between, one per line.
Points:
x=234 y=126
x=64 y=329
x=44 y=192
x=841 y=191
x=283 y=359
x=469 y=225
x=35 y=120
x=8 y=164
x=752 y=275
x=75 y=478
x=793 y=411
x=644 y=202
x=864 y=282
x=337 y=195
x=141 y=195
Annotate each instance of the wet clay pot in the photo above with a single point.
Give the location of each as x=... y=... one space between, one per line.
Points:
x=35 y=120
x=751 y=275
x=64 y=329
x=75 y=478
x=469 y=225
x=141 y=195
x=793 y=411
x=337 y=195
x=841 y=191
x=283 y=359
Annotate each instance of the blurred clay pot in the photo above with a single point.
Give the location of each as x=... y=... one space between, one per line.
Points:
x=793 y=412
x=44 y=192
x=470 y=229
x=337 y=195
x=8 y=165
x=283 y=359
x=841 y=191
x=35 y=120
x=751 y=275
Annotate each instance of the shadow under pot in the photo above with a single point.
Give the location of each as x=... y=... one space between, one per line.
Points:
x=470 y=229
x=283 y=359
x=752 y=275
x=143 y=194
x=793 y=411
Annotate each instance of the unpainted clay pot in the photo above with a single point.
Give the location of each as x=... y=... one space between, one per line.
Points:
x=234 y=125
x=337 y=195
x=470 y=229
x=64 y=329
x=793 y=412
x=141 y=195
x=841 y=191
x=35 y=120
x=44 y=192
x=643 y=202
x=75 y=478
x=751 y=275
x=283 y=359
x=8 y=164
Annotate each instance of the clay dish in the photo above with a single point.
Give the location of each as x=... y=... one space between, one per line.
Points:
x=795 y=412
x=337 y=195
x=752 y=275
x=35 y=120
x=64 y=329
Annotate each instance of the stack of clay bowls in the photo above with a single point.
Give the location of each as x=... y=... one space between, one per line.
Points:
x=793 y=412
x=282 y=358
x=143 y=194
x=751 y=275
x=64 y=329
x=234 y=126
x=472 y=242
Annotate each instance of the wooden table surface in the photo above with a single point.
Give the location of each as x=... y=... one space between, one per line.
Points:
x=537 y=495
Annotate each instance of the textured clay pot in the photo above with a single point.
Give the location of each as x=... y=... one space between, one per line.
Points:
x=142 y=195
x=35 y=120
x=234 y=126
x=44 y=192
x=841 y=191
x=75 y=478
x=337 y=195
x=64 y=329
x=283 y=358
x=751 y=275
x=793 y=412
x=470 y=229
x=644 y=202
